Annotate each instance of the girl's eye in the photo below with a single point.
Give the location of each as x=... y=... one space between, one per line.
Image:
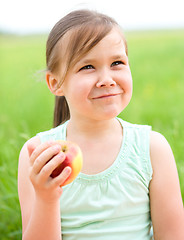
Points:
x=116 y=63
x=86 y=67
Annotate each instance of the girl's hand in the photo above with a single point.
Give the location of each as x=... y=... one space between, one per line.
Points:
x=43 y=160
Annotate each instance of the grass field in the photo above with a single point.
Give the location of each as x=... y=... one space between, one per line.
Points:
x=26 y=105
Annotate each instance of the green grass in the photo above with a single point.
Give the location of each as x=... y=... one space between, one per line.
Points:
x=26 y=105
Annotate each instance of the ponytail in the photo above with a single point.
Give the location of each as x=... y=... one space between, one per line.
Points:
x=61 y=111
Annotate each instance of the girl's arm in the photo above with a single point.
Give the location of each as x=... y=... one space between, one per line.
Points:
x=165 y=197
x=39 y=194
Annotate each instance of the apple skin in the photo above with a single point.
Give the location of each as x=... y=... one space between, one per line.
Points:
x=73 y=159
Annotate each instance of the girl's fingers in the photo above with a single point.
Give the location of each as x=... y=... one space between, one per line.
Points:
x=62 y=177
x=30 y=148
x=49 y=167
x=44 y=157
x=38 y=150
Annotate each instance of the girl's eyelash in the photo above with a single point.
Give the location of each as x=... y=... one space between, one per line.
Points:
x=87 y=67
x=116 y=63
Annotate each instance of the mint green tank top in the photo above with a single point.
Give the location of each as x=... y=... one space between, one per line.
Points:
x=113 y=204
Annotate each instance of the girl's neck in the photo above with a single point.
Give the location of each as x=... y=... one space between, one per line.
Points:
x=91 y=129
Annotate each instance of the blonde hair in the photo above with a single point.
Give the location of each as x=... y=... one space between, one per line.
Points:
x=70 y=39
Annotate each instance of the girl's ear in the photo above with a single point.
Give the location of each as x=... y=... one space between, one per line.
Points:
x=53 y=83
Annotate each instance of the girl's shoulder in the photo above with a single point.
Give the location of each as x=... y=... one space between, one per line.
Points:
x=33 y=143
x=56 y=133
x=159 y=146
x=157 y=142
x=51 y=134
x=162 y=158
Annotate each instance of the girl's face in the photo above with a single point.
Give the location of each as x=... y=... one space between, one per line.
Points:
x=99 y=86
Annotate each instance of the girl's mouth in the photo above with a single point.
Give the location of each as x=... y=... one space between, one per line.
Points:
x=106 y=96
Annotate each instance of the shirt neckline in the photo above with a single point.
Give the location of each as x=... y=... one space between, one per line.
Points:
x=115 y=165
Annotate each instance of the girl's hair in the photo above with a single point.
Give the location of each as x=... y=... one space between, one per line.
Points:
x=70 y=39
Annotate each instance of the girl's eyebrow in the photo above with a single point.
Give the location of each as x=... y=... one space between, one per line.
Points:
x=88 y=60
x=113 y=57
x=119 y=56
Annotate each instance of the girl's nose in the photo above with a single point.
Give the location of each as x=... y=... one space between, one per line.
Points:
x=105 y=80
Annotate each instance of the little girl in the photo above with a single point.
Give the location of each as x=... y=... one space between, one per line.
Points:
x=129 y=179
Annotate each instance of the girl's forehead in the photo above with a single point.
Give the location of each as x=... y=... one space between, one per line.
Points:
x=115 y=37
x=112 y=42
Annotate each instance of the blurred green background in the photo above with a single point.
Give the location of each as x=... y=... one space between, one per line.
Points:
x=26 y=105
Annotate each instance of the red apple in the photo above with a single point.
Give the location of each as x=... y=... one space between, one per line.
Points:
x=73 y=159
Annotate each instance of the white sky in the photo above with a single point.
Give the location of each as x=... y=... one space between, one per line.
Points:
x=37 y=16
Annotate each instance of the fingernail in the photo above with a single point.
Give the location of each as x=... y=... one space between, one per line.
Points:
x=61 y=155
x=57 y=147
x=67 y=170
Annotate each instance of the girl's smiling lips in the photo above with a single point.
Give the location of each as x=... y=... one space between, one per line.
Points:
x=106 y=95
